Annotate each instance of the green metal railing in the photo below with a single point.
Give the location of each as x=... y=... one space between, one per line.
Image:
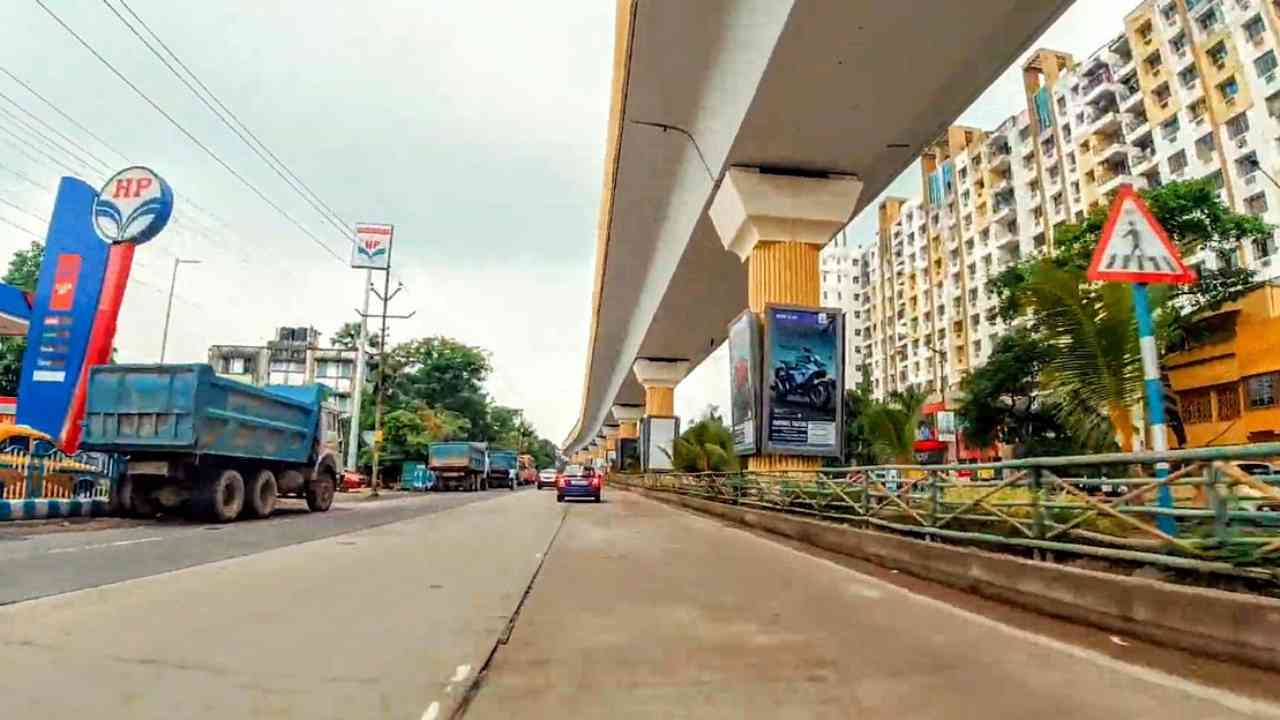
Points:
x=1227 y=520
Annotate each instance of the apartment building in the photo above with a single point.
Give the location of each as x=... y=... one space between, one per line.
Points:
x=1186 y=89
x=293 y=357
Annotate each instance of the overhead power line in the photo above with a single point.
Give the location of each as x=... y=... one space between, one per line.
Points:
x=102 y=164
x=187 y=133
x=232 y=121
x=187 y=199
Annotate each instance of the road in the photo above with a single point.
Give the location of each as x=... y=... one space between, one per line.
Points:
x=35 y=565
x=511 y=605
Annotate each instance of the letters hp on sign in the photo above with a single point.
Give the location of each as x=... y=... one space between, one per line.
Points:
x=133 y=206
x=372 y=246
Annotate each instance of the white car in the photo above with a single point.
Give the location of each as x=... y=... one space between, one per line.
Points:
x=546 y=478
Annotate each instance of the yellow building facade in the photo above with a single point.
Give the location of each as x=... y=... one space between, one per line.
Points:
x=1228 y=384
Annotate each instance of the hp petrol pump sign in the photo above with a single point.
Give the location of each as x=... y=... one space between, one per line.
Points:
x=372 y=246
x=133 y=206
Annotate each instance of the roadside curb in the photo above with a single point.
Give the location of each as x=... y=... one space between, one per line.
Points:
x=1234 y=627
x=46 y=509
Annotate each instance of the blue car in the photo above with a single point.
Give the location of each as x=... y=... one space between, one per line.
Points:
x=578 y=482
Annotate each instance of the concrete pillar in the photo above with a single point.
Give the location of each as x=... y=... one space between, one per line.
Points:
x=777 y=223
x=628 y=417
x=659 y=379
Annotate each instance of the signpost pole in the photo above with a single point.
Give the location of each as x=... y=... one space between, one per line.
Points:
x=1155 y=400
x=357 y=390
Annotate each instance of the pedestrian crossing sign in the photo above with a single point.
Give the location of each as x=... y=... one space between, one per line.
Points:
x=1135 y=248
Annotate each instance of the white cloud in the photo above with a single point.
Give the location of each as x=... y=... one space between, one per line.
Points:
x=477 y=128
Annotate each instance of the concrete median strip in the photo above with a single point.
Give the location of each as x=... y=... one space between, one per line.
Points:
x=1232 y=626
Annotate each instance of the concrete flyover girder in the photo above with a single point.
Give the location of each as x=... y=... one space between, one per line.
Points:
x=855 y=87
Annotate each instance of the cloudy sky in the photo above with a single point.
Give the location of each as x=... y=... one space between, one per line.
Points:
x=476 y=127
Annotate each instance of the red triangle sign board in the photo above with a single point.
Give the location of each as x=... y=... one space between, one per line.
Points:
x=1134 y=248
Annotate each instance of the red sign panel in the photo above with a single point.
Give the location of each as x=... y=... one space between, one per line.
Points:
x=65 y=276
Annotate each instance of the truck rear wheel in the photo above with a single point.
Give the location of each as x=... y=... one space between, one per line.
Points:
x=220 y=497
x=320 y=492
x=260 y=496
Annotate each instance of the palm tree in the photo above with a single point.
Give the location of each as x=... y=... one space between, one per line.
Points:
x=707 y=446
x=891 y=426
x=1097 y=363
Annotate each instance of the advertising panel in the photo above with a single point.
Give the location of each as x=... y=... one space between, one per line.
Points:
x=657 y=442
x=744 y=382
x=63 y=310
x=804 y=367
x=629 y=454
x=947 y=425
x=372 y=246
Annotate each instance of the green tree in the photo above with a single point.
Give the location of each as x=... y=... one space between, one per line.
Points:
x=1002 y=402
x=891 y=426
x=1095 y=376
x=23 y=272
x=706 y=446
x=857 y=440
x=442 y=373
x=348 y=336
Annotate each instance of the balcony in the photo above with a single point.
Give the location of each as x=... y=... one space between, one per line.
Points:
x=1142 y=160
x=1130 y=96
x=1135 y=125
x=1109 y=182
x=1098 y=84
x=1112 y=151
x=999 y=159
x=1102 y=121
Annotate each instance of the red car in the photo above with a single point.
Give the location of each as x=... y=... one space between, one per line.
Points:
x=352 y=480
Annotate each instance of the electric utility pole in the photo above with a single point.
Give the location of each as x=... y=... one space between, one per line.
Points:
x=353 y=441
x=385 y=296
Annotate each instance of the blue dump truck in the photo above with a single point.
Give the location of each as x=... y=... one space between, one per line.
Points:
x=458 y=465
x=209 y=445
x=503 y=465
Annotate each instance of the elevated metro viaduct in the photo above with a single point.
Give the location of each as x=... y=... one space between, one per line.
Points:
x=743 y=134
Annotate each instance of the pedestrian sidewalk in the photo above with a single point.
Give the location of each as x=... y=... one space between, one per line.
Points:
x=645 y=611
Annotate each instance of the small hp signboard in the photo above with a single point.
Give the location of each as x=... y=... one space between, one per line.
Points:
x=372 y=246
x=1135 y=248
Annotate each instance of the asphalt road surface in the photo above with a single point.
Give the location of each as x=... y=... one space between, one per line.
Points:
x=510 y=605
x=35 y=565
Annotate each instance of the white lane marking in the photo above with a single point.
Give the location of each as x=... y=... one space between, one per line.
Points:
x=1239 y=703
x=432 y=711
x=1119 y=640
x=865 y=592
x=461 y=673
x=99 y=546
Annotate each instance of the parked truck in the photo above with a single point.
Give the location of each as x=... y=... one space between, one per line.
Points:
x=502 y=469
x=458 y=465
x=528 y=472
x=214 y=446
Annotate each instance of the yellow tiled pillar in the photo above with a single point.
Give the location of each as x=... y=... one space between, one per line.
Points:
x=777 y=223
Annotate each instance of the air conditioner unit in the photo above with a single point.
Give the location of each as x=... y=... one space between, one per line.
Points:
x=1270 y=77
x=1251 y=179
x=1242 y=142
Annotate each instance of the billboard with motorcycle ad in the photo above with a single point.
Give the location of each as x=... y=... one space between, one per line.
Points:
x=804 y=369
x=744 y=383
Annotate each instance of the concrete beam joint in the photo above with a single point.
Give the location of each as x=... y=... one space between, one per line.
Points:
x=628 y=413
x=752 y=206
x=660 y=373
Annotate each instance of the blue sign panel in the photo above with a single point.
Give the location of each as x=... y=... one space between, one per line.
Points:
x=66 y=298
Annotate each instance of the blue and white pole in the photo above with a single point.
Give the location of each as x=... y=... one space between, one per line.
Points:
x=1155 y=401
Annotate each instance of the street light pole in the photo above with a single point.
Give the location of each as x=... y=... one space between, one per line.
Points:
x=173 y=281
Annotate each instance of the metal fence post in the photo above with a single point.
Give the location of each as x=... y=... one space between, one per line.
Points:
x=1218 y=503
x=1037 y=500
x=933 y=498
